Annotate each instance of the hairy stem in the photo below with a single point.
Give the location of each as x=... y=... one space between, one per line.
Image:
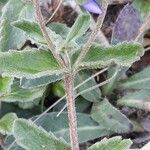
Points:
x=45 y=33
x=69 y=89
x=93 y=34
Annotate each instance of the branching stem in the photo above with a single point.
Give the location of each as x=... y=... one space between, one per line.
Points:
x=45 y=33
x=93 y=34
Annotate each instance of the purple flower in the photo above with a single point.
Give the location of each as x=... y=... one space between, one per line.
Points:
x=92 y=6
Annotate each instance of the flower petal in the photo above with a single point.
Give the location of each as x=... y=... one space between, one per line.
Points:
x=92 y=6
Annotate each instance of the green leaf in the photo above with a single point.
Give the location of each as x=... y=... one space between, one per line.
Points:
x=60 y=29
x=115 y=143
x=28 y=63
x=139 y=99
x=6 y=123
x=31 y=137
x=122 y=54
x=2 y=3
x=19 y=94
x=115 y=74
x=79 y=28
x=92 y=96
x=88 y=129
x=110 y=117
x=41 y=81
x=139 y=80
x=12 y=107
x=11 y=12
x=33 y=30
x=5 y=85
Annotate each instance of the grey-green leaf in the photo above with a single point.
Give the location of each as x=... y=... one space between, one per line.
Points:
x=41 y=81
x=28 y=63
x=6 y=123
x=19 y=94
x=110 y=117
x=88 y=129
x=32 y=29
x=5 y=85
x=139 y=80
x=79 y=28
x=123 y=54
x=139 y=99
x=11 y=12
x=115 y=143
x=31 y=137
x=92 y=96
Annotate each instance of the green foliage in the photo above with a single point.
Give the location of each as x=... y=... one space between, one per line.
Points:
x=92 y=96
x=28 y=63
x=122 y=54
x=31 y=137
x=115 y=73
x=139 y=99
x=110 y=117
x=139 y=80
x=6 y=123
x=18 y=94
x=27 y=66
x=115 y=143
x=88 y=129
x=5 y=85
x=33 y=30
x=79 y=28
x=40 y=81
x=11 y=12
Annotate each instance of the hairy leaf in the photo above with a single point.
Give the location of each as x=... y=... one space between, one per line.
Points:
x=12 y=107
x=31 y=137
x=139 y=99
x=139 y=80
x=115 y=143
x=115 y=74
x=79 y=28
x=28 y=63
x=122 y=54
x=60 y=29
x=19 y=94
x=110 y=117
x=6 y=123
x=92 y=96
x=5 y=85
x=41 y=81
x=32 y=29
x=12 y=11
x=88 y=129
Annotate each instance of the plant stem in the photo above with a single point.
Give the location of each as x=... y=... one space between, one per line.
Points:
x=93 y=34
x=45 y=33
x=69 y=89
